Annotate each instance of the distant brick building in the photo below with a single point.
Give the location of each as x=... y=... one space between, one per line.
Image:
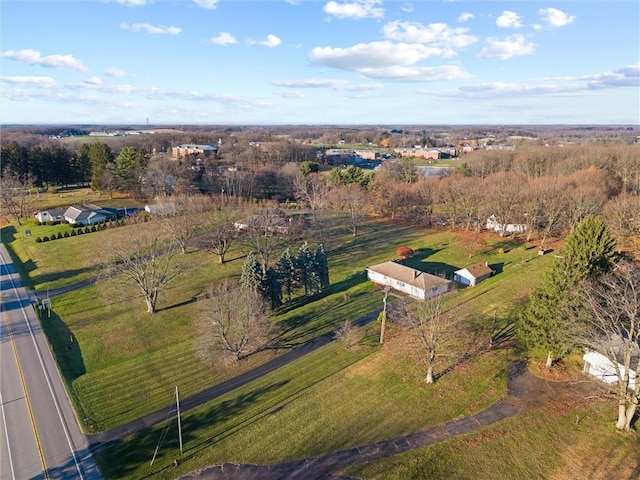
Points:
x=194 y=149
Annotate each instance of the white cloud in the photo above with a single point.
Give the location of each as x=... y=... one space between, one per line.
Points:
x=465 y=16
x=373 y=55
x=357 y=9
x=291 y=94
x=555 y=18
x=399 y=73
x=388 y=61
x=116 y=72
x=33 y=57
x=509 y=20
x=96 y=84
x=439 y=34
x=151 y=29
x=333 y=84
x=271 y=41
x=208 y=4
x=623 y=77
x=407 y=7
x=223 y=38
x=94 y=81
x=132 y=3
x=40 y=82
x=513 y=46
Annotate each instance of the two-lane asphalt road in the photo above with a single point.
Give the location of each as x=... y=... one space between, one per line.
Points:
x=39 y=434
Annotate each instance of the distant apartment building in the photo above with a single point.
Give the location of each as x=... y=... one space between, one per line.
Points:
x=427 y=153
x=193 y=149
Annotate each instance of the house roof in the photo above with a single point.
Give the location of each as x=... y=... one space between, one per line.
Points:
x=408 y=275
x=476 y=271
x=85 y=211
x=54 y=212
x=194 y=146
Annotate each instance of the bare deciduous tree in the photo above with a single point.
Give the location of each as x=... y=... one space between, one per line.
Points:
x=350 y=199
x=623 y=219
x=15 y=196
x=145 y=260
x=434 y=330
x=182 y=217
x=222 y=233
x=312 y=190
x=610 y=326
x=265 y=232
x=233 y=322
x=348 y=334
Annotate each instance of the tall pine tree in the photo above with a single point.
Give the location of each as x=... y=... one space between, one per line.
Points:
x=251 y=275
x=589 y=251
x=286 y=269
x=273 y=288
x=305 y=268
x=322 y=265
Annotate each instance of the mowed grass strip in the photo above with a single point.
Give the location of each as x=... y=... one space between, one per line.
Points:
x=329 y=400
x=561 y=442
x=124 y=355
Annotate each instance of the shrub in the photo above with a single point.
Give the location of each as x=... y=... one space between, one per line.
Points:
x=59 y=235
x=87 y=229
x=73 y=233
x=405 y=252
x=38 y=240
x=94 y=229
x=66 y=234
x=45 y=238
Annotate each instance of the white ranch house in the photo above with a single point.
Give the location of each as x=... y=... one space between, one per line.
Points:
x=87 y=215
x=405 y=279
x=473 y=275
x=55 y=215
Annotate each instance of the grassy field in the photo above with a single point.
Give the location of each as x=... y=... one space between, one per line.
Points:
x=330 y=400
x=120 y=363
x=546 y=442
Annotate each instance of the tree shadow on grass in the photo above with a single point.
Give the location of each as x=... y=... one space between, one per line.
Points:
x=418 y=262
x=64 y=345
x=122 y=457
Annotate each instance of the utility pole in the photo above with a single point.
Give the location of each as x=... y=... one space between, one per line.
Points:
x=384 y=314
x=179 y=425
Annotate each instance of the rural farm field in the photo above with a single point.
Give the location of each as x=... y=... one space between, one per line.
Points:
x=121 y=363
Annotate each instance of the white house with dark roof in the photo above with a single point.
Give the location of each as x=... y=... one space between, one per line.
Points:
x=473 y=275
x=55 y=215
x=405 y=279
x=87 y=214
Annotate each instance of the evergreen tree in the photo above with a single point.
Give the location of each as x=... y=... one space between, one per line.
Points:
x=322 y=265
x=305 y=268
x=101 y=156
x=251 y=275
x=589 y=252
x=130 y=167
x=286 y=270
x=273 y=288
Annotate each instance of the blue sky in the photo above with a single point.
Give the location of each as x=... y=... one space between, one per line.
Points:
x=320 y=62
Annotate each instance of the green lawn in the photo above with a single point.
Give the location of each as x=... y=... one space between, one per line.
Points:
x=120 y=362
x=330 y=400
x=542 y=443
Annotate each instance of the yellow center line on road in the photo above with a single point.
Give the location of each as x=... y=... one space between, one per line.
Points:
x=26 y=394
